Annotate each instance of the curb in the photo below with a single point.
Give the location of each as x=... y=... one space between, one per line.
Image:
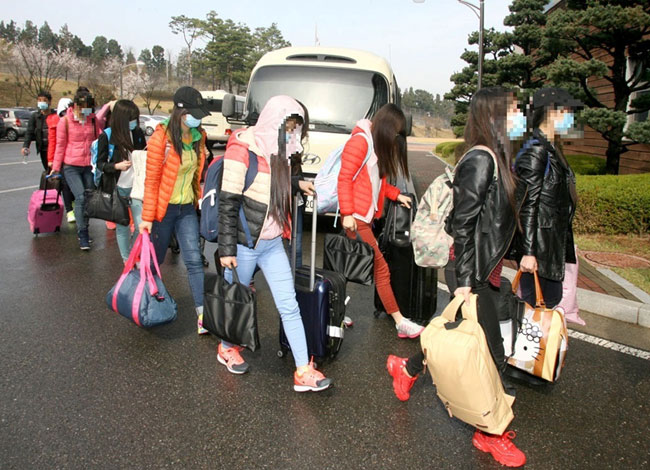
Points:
x=604 y=305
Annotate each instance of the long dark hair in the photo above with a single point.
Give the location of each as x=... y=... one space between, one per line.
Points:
x=123 y=112
x=389 y=140
x=486 y=125
x=175 y=132
x=280 y=204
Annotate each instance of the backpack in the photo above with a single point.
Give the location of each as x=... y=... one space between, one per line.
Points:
x=97 y=173
x=431 y=242
x=327 y=179
x=463 y=371
x=209 y=203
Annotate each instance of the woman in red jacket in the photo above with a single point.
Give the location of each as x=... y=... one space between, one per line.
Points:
x=361 y=199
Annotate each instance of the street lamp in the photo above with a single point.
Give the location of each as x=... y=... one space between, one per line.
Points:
x=138 y=64
x=479 y=12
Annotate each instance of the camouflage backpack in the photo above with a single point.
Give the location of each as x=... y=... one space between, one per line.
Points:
x=431 y=243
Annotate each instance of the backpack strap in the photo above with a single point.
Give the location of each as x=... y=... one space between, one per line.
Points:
x=251 y=173
x=528 y=144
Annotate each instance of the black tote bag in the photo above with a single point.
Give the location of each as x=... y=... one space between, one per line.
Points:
x=353 y=258
x=230 y=311
x=398 y=222
x=107 y=205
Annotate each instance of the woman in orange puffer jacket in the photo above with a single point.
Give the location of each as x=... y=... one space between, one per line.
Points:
x=175 y=159
x=361 y=199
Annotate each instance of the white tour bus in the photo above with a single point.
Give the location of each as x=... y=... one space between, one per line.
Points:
x=217 y=128
x=338 y=87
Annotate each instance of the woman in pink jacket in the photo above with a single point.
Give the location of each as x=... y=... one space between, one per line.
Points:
x=74 y=134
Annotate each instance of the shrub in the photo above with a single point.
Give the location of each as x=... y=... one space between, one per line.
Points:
x=587 y=164
x=613 y=204
x=446 y=150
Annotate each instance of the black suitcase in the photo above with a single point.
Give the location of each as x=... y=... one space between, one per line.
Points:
x=415 y=287
x=321 y=297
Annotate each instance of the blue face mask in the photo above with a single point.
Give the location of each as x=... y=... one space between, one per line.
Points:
x=518 y=127
x=42 y=105
x=133 y=124
x=191 y=121
x=564 y=126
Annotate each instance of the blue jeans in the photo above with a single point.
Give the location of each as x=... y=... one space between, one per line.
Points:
x=123 y=232
x=79 y=178
x=272 y=259
x=182 y=219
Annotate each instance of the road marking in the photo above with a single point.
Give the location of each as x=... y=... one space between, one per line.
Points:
x=17 y=189
x=19 y=163
x=640 y=353
x=610 y=345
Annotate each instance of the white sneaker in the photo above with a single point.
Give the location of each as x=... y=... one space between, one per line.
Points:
x=408 y=329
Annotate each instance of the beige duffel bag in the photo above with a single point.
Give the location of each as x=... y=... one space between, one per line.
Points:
x=463 y=371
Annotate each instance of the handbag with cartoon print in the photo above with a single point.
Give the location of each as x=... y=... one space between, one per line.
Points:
x=542 y=338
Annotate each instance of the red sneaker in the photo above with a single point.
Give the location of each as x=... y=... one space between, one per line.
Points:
x=402 y=383
x=501 y=448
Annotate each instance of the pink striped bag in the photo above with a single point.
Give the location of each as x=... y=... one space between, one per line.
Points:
x=139 y=293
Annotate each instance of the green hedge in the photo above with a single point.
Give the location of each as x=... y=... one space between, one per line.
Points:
x=446 y=151
x=613 y=204
x=587 y=164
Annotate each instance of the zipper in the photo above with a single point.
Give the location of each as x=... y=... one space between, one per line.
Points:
x=511 y=238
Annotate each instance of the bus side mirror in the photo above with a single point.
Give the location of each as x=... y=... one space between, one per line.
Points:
x=409 y=123
x=228 y=106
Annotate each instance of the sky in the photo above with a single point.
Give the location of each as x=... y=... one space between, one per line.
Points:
x=422 y=41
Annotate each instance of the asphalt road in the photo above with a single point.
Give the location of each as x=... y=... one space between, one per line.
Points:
x=81 y=387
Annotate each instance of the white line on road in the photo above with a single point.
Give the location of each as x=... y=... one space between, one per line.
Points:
x=19 y=163
x=610 y=345
x=594 y=339
x=18 y=189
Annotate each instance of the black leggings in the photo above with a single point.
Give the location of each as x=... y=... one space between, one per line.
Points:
x=551 y=290
x=487 y=312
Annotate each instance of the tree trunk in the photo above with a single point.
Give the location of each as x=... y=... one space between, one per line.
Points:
x=614 y=151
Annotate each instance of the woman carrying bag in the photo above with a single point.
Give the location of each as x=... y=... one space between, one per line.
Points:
x=266 y=207
x=117 y=168
x=547 y=189
x=482 y=224
x=361 y=199
x=175 y=159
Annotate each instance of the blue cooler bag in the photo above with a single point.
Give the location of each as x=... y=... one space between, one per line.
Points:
x=140 y=294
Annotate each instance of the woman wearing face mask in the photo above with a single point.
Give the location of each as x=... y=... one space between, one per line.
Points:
x=74 y=134
x=175 y=159
x=362 y=199
x=267 y=207
x=482 y=224
x=126 y=136
x=547 y=189
x=52 y=123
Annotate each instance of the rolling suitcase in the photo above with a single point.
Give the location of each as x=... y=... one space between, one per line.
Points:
x=415 y=287
x=45 y=212
x=321 y=297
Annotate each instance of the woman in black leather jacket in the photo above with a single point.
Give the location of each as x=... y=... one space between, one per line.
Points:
x=546 y=187
x=482 y=224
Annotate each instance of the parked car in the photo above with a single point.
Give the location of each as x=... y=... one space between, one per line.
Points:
x=16 y=120
x=2 y=127
x=148 y=123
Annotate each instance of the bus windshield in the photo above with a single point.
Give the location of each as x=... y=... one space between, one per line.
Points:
x=335 y=98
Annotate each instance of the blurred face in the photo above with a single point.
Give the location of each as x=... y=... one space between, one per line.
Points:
x=562 y=119
x=293 y=136
x=515 y=120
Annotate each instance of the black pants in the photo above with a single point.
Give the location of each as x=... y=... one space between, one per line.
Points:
x=551 y=290
x=487 y=312
x=43 y=155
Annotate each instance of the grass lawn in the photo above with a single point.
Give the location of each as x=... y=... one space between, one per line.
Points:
x=628 y=244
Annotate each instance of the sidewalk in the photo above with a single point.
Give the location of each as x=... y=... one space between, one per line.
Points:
x=600 y=291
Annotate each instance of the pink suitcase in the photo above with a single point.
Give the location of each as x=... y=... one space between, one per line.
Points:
x=45 y=212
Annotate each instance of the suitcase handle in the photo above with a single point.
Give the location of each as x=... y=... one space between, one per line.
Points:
x=58 y=193
x=294 y=229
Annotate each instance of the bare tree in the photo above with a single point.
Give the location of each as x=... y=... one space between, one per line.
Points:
x=151 y=91
x=132 y=85
x=36 y=68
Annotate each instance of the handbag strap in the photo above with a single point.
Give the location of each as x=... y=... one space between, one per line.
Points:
x=539 y=297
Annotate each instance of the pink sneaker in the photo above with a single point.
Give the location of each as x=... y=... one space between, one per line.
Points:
x=311 y=381
x=232 y=359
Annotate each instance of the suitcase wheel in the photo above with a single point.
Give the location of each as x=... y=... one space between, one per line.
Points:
x=282 y=352
x=58 y=229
